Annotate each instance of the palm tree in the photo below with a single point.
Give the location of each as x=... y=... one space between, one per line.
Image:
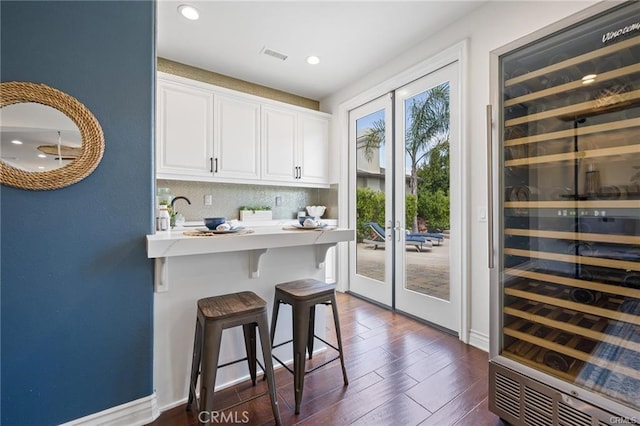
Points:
x=427 y=127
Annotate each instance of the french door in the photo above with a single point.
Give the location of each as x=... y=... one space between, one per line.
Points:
x=370 y=136
x=404 y=180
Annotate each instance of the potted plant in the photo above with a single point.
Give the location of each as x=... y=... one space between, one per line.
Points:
x=255 y=213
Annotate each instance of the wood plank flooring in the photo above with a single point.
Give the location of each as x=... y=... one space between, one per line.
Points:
x=401 y=372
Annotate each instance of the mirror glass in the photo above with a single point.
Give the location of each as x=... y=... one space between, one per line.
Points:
x=37 y=138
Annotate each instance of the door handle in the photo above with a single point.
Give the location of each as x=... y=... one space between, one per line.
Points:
x=399 y=229
x=216 y=167
x=490 y=186
x=210 y=164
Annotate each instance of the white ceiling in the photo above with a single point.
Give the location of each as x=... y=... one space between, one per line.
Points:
x=351 y=38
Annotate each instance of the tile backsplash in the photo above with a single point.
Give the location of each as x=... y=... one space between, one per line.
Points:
x=227 y=198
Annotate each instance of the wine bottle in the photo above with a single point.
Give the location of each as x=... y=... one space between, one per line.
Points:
x=558 y=361
x=631 y=280
x=585 y=296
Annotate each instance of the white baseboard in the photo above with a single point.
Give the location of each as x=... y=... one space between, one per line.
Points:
x=479 y=340
x=133 y=413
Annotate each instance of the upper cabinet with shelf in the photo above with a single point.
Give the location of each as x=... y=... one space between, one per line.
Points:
x=206 y=133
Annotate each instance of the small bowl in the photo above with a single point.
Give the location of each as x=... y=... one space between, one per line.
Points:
x=301 y=219
x=316 y=211
x=213 y=222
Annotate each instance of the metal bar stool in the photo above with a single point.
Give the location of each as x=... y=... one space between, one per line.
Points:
x=303 y=296
x=214 y=315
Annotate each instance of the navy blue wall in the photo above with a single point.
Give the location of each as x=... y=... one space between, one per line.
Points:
x=77 y=289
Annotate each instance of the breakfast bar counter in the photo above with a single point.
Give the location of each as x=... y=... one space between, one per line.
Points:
x=178 y=244
x=189 y=268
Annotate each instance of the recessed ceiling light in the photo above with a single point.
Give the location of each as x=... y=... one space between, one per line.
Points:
x=188 y=12
x=16 y=142
x=42 y=156
x=41 y=167
x=313 y=60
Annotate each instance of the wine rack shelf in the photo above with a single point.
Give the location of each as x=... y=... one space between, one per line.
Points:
x=572 y=204
x=575 y=236
x=571 y=133
x=608 y=76
x=570 y=258
x=569 y=348
x=580 y=109
x=573 y=282
x=570 y=322
x=607 y=307
x=595 y=54
x=576 y=155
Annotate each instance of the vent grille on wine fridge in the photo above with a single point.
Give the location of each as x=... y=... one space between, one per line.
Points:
x=508 y=395
x=538 y=408
x=569 y=416
x=521 y=400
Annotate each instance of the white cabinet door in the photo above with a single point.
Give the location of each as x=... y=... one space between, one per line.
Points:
x=279 y=139
x=237 y=138
x=313 y=149
x=185 y=130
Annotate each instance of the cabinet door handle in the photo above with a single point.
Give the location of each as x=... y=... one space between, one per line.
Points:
x=490 y=185
x=210 y=164
x=299 y=172
x=216 y=168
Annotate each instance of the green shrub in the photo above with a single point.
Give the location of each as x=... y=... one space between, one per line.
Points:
x=434 y=207
x=369 y=208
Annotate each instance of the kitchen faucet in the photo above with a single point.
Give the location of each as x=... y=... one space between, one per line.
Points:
x=176 y=199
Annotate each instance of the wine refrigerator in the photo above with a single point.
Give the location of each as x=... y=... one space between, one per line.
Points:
x=564 y=153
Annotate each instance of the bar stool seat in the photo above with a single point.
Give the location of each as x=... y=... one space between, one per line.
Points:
x=215 y=314
x=303 y=296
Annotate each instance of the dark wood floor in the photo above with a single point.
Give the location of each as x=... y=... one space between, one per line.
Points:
x=401 y=372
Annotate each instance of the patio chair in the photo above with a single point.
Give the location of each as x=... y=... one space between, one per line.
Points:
x=434 y=237
x=378 y=238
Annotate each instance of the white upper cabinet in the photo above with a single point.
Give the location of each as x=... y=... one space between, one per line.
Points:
x=237 y=138
x=185 y=130
x=207 y=133
x=296 y=146
x=279 y=139
x=313 y=149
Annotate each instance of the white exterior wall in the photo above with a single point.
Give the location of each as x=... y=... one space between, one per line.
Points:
x=489 y=27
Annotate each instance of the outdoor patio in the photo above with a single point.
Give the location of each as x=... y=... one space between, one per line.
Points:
x=427 y=271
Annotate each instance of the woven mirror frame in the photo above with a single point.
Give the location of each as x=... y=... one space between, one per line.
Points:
x=14 y=92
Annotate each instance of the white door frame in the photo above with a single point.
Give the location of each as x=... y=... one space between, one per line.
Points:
x=457 y=52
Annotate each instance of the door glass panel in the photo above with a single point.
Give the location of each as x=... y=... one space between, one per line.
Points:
x=427 y=204
x=370 y=195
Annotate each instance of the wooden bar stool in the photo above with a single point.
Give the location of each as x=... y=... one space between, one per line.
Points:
x=303 y=296
x=214 y=315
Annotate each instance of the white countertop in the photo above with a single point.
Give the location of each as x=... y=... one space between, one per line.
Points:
x=175 y=243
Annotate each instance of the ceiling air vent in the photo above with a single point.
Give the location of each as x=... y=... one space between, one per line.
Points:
x=273 y=53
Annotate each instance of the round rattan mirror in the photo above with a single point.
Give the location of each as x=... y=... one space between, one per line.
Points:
x=84 y=161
